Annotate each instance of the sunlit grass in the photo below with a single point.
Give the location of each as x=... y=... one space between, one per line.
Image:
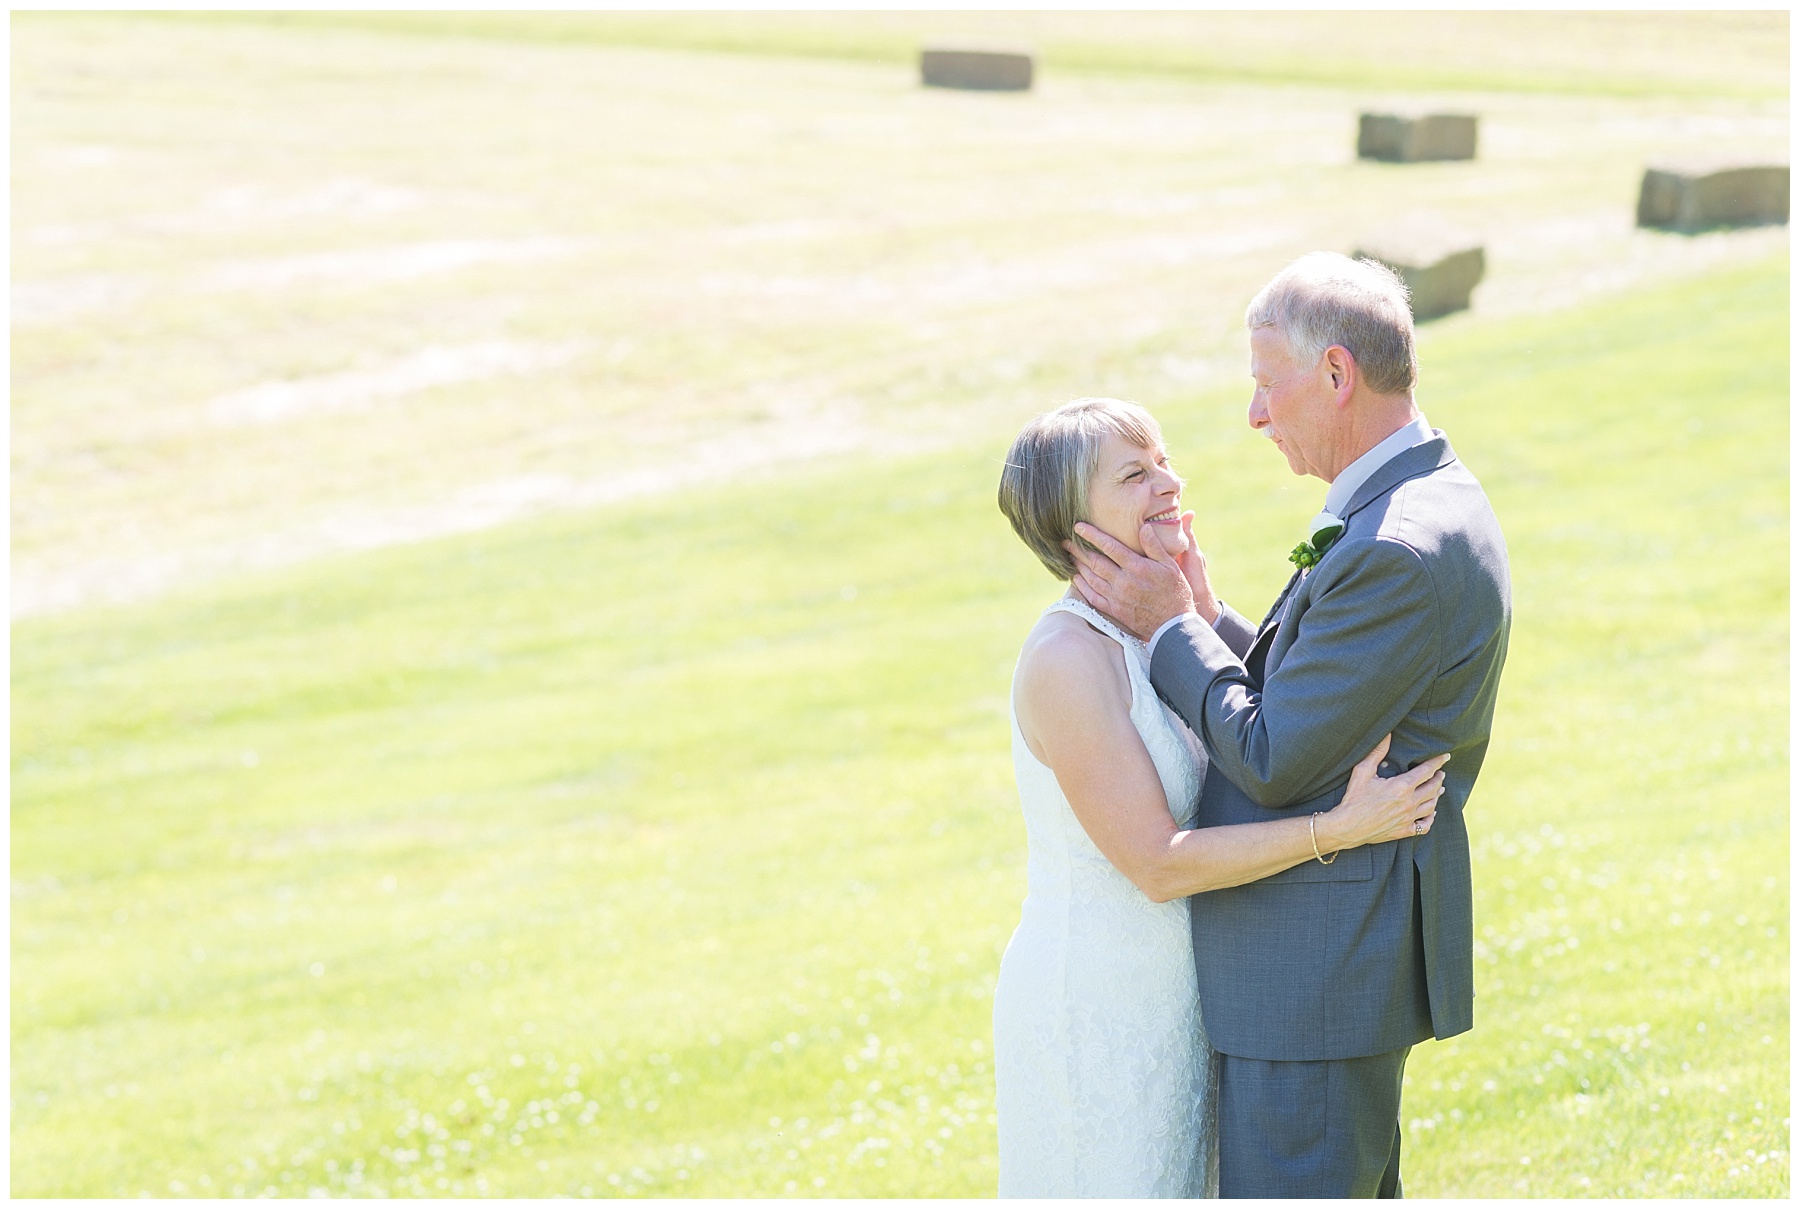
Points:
x=729 y=261
x=671 y=849
x=1613 y=53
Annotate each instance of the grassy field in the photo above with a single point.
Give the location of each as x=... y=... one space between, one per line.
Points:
x=651 y=830
x=290 y=289
x=1619 y=53
x=670 y=848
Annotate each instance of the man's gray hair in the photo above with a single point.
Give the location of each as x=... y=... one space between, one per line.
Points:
x=1044 y=487
x=1324 y=299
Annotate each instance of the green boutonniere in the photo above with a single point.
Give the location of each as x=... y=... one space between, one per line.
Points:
x=1326 y=529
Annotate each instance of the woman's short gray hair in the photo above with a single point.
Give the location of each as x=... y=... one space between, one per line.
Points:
x=1044 y=487
x=1324 y=299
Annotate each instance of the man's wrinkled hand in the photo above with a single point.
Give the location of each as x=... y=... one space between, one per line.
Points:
x=1138 y=593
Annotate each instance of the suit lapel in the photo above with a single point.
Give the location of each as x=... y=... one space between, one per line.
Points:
x=1275 y=609
x=1256 y=662
x=1258 y=654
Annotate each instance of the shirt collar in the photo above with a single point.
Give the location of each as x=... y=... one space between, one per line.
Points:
x=1344 y=487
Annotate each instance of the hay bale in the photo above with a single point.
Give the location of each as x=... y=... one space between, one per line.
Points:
x=1435 y=136
x=1440 y=268
x=982 y=70
x=1694 y=198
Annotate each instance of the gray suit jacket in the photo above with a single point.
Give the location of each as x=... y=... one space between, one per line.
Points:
x=1402 y=627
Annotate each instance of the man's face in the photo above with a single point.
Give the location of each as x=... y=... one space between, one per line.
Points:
x=1292 y=403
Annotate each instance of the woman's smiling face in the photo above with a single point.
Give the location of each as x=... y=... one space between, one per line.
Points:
x=1132 y=487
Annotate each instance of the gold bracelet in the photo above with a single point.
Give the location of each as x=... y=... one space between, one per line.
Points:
x=1312 y=830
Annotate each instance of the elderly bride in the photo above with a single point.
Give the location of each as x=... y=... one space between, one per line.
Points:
x=1104 y=1077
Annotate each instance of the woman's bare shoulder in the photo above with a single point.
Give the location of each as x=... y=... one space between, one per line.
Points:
x=1064 y=653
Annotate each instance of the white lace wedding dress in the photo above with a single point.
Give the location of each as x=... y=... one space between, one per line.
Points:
x=1105 y=1081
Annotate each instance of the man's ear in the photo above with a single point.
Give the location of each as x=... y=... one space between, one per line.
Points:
x=1340 y=366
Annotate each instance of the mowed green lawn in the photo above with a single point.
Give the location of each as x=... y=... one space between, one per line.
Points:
x=671 y=849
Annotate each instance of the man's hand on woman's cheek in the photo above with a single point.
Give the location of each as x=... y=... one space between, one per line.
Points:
x=1138 y=593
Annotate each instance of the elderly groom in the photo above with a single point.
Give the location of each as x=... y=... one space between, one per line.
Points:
x=1316 y=983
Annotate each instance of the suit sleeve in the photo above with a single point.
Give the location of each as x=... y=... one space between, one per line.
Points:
x=1367 y=649
x=1236 y=630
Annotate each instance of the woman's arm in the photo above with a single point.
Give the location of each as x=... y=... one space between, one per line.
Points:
x=1374 y=809
x=1074 y=710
